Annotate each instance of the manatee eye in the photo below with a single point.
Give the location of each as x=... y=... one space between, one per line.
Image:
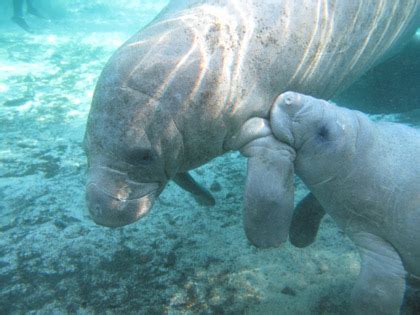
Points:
x=324 y=133
x=140 y=157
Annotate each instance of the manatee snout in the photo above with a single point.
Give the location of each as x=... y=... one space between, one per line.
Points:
x=113 y=200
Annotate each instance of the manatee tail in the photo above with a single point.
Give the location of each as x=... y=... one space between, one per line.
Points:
x=22 y=23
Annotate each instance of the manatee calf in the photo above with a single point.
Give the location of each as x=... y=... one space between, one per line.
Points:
x=189 y=86
x=366 y=175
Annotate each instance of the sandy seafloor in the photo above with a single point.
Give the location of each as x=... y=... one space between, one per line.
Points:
x=182 y=258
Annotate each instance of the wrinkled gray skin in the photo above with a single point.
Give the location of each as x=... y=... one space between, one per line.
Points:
x=366 y=176
x=186 y=89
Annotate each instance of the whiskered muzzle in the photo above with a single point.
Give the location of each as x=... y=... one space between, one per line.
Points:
x=114 y=200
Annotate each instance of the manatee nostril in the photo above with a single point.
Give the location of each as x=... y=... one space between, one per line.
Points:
x=289 y=98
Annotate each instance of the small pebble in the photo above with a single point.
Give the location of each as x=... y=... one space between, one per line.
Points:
x=322 y=268
x=215 y=186
x=288 y=291
x=230 y=195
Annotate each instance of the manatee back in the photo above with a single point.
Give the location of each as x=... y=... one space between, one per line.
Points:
x=212 y=65
x=322 y=47
x=403 y=198
x=264 y=48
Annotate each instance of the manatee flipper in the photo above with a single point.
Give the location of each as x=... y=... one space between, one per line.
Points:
x=19 y=20
x=305 y=221
x=269 y=192
x=380 y=286
x=200 y=194
x=34 y=11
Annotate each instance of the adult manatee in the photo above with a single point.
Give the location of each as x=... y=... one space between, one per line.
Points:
x=191 y=85
x=366 y=175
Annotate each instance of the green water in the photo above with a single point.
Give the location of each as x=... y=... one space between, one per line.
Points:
x=182 y=259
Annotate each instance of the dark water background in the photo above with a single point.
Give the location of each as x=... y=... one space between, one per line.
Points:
x=182 y=258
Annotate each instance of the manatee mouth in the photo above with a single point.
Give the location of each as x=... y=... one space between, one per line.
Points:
x=113 y=200
x=111 y=211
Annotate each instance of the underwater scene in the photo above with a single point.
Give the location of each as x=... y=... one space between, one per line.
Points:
x=153 y=162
